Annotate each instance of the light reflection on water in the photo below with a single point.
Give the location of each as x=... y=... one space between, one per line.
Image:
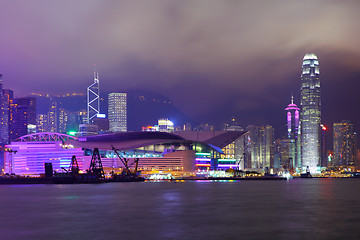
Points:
x=294 y=209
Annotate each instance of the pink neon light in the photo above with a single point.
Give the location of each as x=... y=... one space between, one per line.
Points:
x=297 y=119
x=292 y=107
x=203 y=159
x=289 y=120
x=228 y=165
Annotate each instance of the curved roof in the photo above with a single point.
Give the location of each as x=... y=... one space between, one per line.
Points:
x=44 y=137
x=292 y=107
x=219 y=139
x=126 y=140
x=132 y=140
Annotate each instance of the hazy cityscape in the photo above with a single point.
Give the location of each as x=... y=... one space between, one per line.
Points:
x=301 y=149
x=179 y=119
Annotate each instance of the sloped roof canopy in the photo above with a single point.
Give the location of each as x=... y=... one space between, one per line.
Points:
x=216 y=138
x=132 y=140
x=125 y=140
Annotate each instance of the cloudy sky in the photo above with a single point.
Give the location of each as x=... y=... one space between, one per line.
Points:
x=213 y=58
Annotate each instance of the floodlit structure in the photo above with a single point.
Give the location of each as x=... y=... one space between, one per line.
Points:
x=292 y=140
x=4 y=116
x=165 y=125
x=28 y=154
x=93 y=99
x=261 y=140
x=157 y=151
x=310 y=113
x=117 y=112
x=345 y=146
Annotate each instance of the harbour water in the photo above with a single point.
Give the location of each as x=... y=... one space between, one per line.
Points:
x=293 y=209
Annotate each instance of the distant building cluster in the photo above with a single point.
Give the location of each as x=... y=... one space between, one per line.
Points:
x=302 y=149
x=17 y=115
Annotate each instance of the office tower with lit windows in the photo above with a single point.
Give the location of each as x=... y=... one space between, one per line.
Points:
x=345 y=145
x=24 y=117
x=310 y=113
x=53 y=116
x=261 y=140
x=117 y=112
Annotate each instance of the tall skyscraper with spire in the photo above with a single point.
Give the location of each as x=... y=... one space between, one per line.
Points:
x=292 y=140
x=293 y=119
x=93 y=99
x=310 y=113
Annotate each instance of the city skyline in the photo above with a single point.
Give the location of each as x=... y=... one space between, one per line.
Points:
x=207 y=51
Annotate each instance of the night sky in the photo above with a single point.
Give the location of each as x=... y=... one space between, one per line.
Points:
x=213 y=59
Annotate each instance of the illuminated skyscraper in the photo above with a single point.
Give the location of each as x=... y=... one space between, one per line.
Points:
x=93 y=99
x=345 y=147
x=292 y=140
x=293 y=120
x=310 y=113
x=117 y=112
x=4 y=116
x=262 y=146
x=24 y=117
x=53 y=116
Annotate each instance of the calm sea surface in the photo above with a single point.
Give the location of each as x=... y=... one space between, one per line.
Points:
x=294 y=209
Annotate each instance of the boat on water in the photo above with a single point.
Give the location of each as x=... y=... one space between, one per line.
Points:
x=126 y=178
x=305 y=175
x=68 y=178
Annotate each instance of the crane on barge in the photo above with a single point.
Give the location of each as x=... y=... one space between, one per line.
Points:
x=127 y=175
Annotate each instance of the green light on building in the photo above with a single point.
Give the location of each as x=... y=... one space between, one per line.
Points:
x=203 y=154
x=227 y=160
x=71 y=133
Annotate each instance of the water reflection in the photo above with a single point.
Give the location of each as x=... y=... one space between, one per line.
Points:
x=296 y=209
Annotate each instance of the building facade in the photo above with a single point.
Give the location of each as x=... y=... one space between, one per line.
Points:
x=262 y=146
x=310 y=114
x=4 y=116
x=117 y=112
x=345 y=144
x=23 y=121
x=165 y=125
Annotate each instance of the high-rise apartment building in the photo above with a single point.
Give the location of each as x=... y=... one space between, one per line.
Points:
x=310 y=113
x=4 y=116
x=53 y=116
x=345 y=146
x=24 y=114
x=117 y=112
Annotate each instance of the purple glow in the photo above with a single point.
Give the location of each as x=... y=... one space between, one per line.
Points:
x=297 y=118
x=203 y=159
x=292 y=107
x=228 y=165
x=289 y=121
